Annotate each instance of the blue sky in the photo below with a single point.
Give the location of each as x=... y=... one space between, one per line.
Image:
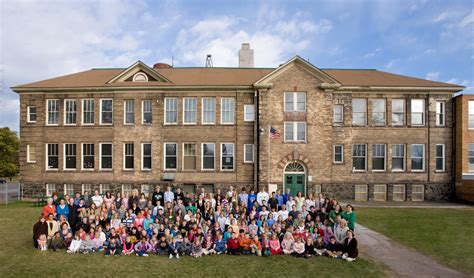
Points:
x=44 y=39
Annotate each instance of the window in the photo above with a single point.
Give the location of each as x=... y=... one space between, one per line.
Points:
x=378 y=157
x=88 y=156
x=208 y=111
x=417 y=112
x=248 y=153
x=227 y=110
x=50 y=189
x=417 y=192
x=69 y=156
x=470 y=157
x=70 y=111
x=398 y=157
x=378 y=111
x=86 y=187
x=53 y=156
x=189 y=113
x=126 y=188
x=106 y=156
x=295 y=102
x=359 y=157
x=361 y=192
x=380 y=192
x=295 y=132
x=147 y=115
x=417 y=157
x=146 y=156
x=30 y=153
x=146 y=189
x=128 y=156
x=338 y=113
x=69 y=189
x=227 y=156
x=440 y=105
x=399 y=192
x=470 y=114
x=338 y=153
x=88 y=106
x=52 y=112
x=31 y=114
x=208 y=156
x=189 y=156
x=171 y=156
x=440 y=154
x=103 y=188
x=106 y=111
x=171 y=110
x=359 y=111
x=140 y=77
x=398 y=112
x=249 y=110
x=129 y=111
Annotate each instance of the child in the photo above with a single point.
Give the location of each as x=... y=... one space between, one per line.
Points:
x=128 y=246
x=173 y=248
x=185 y=247
x=233 y=245
x=87 y=245
x=265 y=246
x=332 y=248
x=56 y=242
x=309 y=248
x=112 y=248
x=207 y=246
x=98 y=242
x=162 y=248
x=220 y=245
x=143 y=247
x=255 y=246
x=319 y=246
x=75 y=244
x=196 y=250
x=67 y=240
x=42 y=242
x=298 y=248
x=287 y=244
x=274 y=244
x=245 y=244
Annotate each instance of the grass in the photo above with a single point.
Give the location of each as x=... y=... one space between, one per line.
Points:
x=444 y=234
x=19 y=258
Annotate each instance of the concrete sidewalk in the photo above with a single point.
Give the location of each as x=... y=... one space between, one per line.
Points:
x=403 y=261
x=391 y=204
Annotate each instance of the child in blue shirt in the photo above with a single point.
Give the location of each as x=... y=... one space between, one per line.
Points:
x=252 y=198
x=220 y=244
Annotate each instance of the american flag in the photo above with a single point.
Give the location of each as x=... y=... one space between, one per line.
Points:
x=274 y=133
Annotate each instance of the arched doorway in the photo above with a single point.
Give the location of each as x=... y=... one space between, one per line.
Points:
x=295 y=178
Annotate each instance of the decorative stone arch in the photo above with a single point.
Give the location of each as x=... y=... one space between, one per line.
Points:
x=295 y=156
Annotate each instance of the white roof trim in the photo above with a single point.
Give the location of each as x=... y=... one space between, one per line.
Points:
x=130 y=71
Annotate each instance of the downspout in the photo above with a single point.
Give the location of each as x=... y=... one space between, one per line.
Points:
x=453 y=196
x=428 y=156
x=256 y=139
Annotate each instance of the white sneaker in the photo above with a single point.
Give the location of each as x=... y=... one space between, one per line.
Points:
x=177 y=256
x=171 y=256
x=145 y=255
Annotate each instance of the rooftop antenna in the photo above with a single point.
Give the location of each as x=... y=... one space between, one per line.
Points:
x=209 y=61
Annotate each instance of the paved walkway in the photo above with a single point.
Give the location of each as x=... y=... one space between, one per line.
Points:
x=390 y=204
x=403 y=261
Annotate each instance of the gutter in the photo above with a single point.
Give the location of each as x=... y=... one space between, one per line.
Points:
x=256 y=136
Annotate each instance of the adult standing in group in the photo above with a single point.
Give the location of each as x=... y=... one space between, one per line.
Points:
x=169 y=195
x=72 y=214
x=349 y=216
x=40 y=228
x=158 y=197
x=97 y=199
x=49 y=208
x=179 y=195
x=134 y=199
x=262 y=196
x=62 y=209
x=243 y=198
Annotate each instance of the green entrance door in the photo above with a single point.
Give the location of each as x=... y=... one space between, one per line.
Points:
x=295 y=182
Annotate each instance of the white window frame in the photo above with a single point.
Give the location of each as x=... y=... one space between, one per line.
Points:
x=128 y=189
x=335 y=113
x=143 y=111
x=245 y=153
x=28 y=153
x=365 y=112
x=384 y=112
x=294 y=102
x=398 y=157
x=125 y=111
x=47 y=112
x=470 y=166
x=100 y=111
x=422 y=113
x=103 y=188
x=47 y=156
x=66 y=189
x=233 y=156
x=143 y=155
x=440 y=113
x=443 y=157
x=203 y=100
x=399 y=112
x=164 y=156
x=295 y=132
x=423 y=158
x=100 y=156
x=202 y=156
x=365 y=158
x=378 y=156
x=83 y=154
x=28 y=114
x=84 y=189
x=146 y=189
x=125 y=155
x=65 y=149
x=183 y=156
x=470 y=114
x=66 y=112
x=50 y=189
x=190 y=111
x=171 y=111
x=227 y=111
x=334 y=154
x=88 y=111
x=249 y=116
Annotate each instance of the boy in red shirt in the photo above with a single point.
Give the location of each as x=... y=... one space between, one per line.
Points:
x=233 y=245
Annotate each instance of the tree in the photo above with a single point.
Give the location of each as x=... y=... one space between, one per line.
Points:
x=9 y=150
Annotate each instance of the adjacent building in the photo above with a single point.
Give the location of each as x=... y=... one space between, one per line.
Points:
x=351 y=133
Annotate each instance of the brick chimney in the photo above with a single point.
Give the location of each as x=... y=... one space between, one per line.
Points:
x=246 y=56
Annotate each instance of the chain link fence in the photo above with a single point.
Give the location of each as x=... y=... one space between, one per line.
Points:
x=10 y=193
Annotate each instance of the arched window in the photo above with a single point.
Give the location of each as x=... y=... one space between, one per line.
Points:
x=294 y=167
x=140 y=77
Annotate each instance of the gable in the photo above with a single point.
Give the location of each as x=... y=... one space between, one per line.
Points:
x=138 y=72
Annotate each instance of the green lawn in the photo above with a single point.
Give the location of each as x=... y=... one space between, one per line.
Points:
x=444 y=234
x=19 y=258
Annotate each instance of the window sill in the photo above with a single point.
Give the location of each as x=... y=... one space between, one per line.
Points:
x=379 y=171
x=228 y=124
x=31 y=162
x=295 y=142
x=87 y=170
x=52 y=170
x=69 y=170
x=338 y=163
x=248 y=162
x=208 y=170
x=170 y=170
x=31 y=122
x=129 y=124
x=227 y=171
x=189 y=123
x=398 y=171
x=441 y=171
x=128 y=170
x=70 y=124
x=106 y=124
x=417 y=171
x=52 y=124
x=105 y=170
x=359 y=171
x=146 y=170
x=208 y=124
x=170 y=124
x=87 y=124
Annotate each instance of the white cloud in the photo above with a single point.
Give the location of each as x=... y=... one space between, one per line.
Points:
x=432 y=75
x=374 y=53
x=468 y=19
x=392 y=63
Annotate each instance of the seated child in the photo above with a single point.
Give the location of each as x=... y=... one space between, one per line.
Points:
x=186 y=246
x=42 y=242
x=220 y=244
x=173 y=248
x=112 y=248
x=128 y=246
x=143 y=247
x=56 y=242
x=332 y=248
x=67 y=240
x=196 y=249
x=233 y=245
x=245 y=244
x=274 y=244
x=265 y=245
x=87 y=245
x=162 y=248
x=298 y=248
x=207 y=246
x=287 y=244
x=319 y=246
x=309 y=249
x=98 y=242
x=75 y=244
x=255 y=246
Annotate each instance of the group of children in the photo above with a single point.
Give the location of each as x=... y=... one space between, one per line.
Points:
x=176 y=224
